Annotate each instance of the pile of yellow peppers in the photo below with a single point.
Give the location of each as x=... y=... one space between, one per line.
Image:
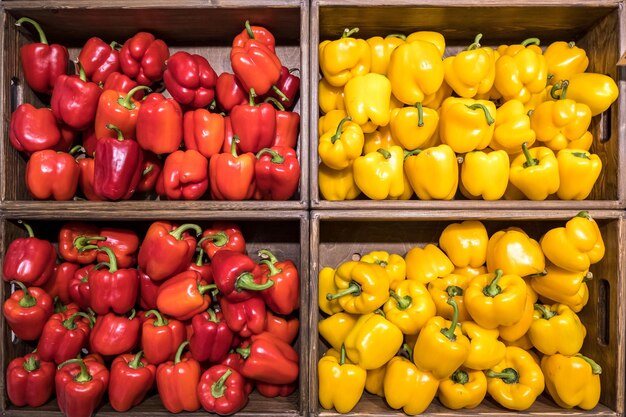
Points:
x=473 y=316
x=511 y=122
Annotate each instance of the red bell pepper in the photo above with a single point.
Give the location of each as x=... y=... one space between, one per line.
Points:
x=229 y=92
x=75 y=100
x=51 y=174
x=68 y=137
x=167 y=250
x=232 y=175
x=228 y=136
x=143 y=58
x=122 y=83
x=185 y=176
x=255 y=65
x=277 y=173
x=285 y=329
x=245 y=317
x=258 y=33
x=112 y=289
x=123 y=242
x=58 y=286
x=211 y=339
x=222 y=236
x=289 y=85
x=89 y=141
x=80 y=386
x=34 y=129
x=274 y=390
x=254 y=124
x=177 y=382
x=117 y=167
x=160 y=337
x=113 y=335
x=204 y=131
x=119 y=109
x=236 y=274
x=29 y=260
x=42 y=63
x=131 y=379
x=148 y=291
x=79 y=287
x=283 y=297
x=151 y=168
x=65 y=309
x=30 y=380
x=190 y=79
x=99 y=59
x=222 y=390
x=159 y=124
x=270 y=360
x=64 y=337
x=287 y=126
x=233 y=360
x=78 y=232
x=204 y=269
x=27 y=310
x=184 y=295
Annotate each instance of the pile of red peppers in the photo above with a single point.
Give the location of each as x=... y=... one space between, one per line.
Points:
x=183 y=311
x=108 y=135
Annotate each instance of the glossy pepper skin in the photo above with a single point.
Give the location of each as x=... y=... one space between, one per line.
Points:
x=277 y=173
x=485 y=348
x=341 y=383
x=337 y=185
x=381 y=50
x=184 y=295
x=471 y=72
x=466 y=124
x=124 y=244
x=521 y=70
x=513 y=251
x=517 y=381
x=190 y=79
x=339 y=147
x=362 y=287
x=557 y=123
x=119 y=109
x=246 y=317
x=99 y=59
x=373 y=341
x=285 y=329
x=184 y=176
x=143 y=58
x=326 y=285
x=64 y=337
x=394 y=264
x=159 y=124
x=289 y=86
x=255 y=65
x=598 y=91
x=433 y=172
x=27 y=310
x=335 y=328
x=160 y=337
x=519 y=330
x=259 y=33
x=33 y=129
x=151 y=168
x=86 y=174
x=203 y=131
x=236 y=275
x=78 y=232
x=270 y=360
x=79 y=289
x=29 y=260
x=113 y=335
x=74 y=100
x=485 y=175
x=283 y=296
x=58 y=286
x=131 y=379
x=122 y=83
x=229 y=92
x=80 y=386
x=42 y=63
x=427 y=264
x=167 y=250
x=29 y=380
x=367 y=100
x=407 y=386
x=556 y=329
x=222 y=390
x=410 y=306
x=562 y=286
x=222 y=236
x=211 y=338
x=380 y=175
x=176 y=382
x=572 y=381
x=464 y=389
x=344 y=58
x=232 y=175
x=564 y=59
x=413 y=127
x=451 y=286
x=513 y=127
x=465 y=243
x=254 y=124
x=578 y=172
x=52 y=175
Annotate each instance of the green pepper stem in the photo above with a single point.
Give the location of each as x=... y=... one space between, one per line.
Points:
x=133 y=313
x=204 y=288
x=31 y=364
x=218 y=388
x=420 y=114
x=276 y=157
x=244 y=352
x=219 y=239
x=476 y=43
x=454 y=291
x=342 y=355
x=115 y=45
x=81 y=72
x=493 y=288
x=70 y=324
x=508 y=375
x=251 y=96
x=449 y=332
x=82 y=241
x=245 y=281
x=159 y=319
x=282 y=96
x=276 y=102
x=460 y=377
x=546 y=313
x=583 y=155
x=136 y=362
x=530 y=161
x=349 y=32
x=233 y=146
x=84 y=375
x=564 y=85
x=403 y=302
x=353 y=288
x=475 y=106
x=584 y=214
x=178 y=232
x=384 y=152
x=37 y=26
x=179 y=352
x=29 y=229
x=212 y=316
x=112 y=258
x=408 y=350
x=267 y=254
x=531 y=41
x=337 y=134
x=147 y=170
x=249 y=30
x=595 y=368
x=200 y=257
x=127 y=102
x=397 y=35
x=118 y=131
x=76 y=149
x=411 y=153
x=272 y=267
x=27 y=300
x=59 y=307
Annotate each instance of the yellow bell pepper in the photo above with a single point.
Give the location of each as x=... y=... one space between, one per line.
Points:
x=380 y=174
x=583 y=143
x=334 y=353
x=521 y=70
x=470 y=272
x=537 y=98
x=434 y=101
x=496 y=299
x=374 y=383
x=381 y=49
x=394 y=264
x=329 y=97
x=373 y=341
x=512 y=128
x=578 y=171
x=465 y=243
x=564 y=59
x=380 y=138
x=335 y=328
x=598 y=91
x=522 y=343
x=535 y=172
x=342 y=59
x=562 y=286
x=408 y=387
x=575 y=246
x=412 y=127
x=362 y=287
x=433 y=172
x=341 y=384
x=441 y=345
x=485 y=348
x=367 y=100
x=556 y=329
x=410 y=306
x=464 y=389
x=485 y=174
x=517 y=381
x=337 y=184
x=415 y=71
x=338 y=148
x=513 y=251
x=576 y=302
x=330 y=121
x=426 y=264
x=512 y=192
x=467 y=124
x=435 y=38
x=441 y=289
x=572 y=381
x=518 y=330
x=326 y=285
x=408 y=191
x=471 y=72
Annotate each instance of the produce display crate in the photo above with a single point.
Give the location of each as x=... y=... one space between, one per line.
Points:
x=196 y=26
x=598 y=26
x=338 y=236
x=285 y=233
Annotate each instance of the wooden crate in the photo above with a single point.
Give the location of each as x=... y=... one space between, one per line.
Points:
x=336 y=236
x=598 y=26
x=285 y=233
x=196 y=26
